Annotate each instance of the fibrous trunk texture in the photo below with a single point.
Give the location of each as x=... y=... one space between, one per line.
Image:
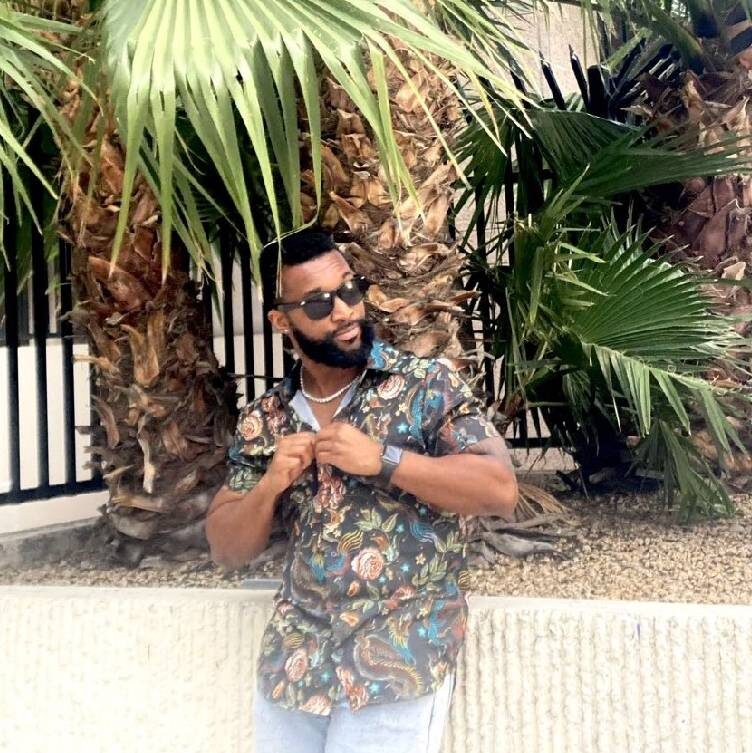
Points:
x=166 y=409
x=405 y=249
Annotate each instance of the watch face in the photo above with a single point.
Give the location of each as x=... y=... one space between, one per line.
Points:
x=392 y=454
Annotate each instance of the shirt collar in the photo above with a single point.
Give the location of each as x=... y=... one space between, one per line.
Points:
x=383 y=357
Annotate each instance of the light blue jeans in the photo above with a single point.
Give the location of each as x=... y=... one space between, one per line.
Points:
x=414 y=726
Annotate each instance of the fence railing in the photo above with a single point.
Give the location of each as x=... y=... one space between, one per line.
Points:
x=43 y=369
x=37 y=368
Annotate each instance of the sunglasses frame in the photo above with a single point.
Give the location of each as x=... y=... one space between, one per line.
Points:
x=362 y=283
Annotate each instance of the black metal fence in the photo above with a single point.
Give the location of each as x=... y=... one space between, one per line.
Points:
x=36 y=334
x=32 y=320
x=258 y=359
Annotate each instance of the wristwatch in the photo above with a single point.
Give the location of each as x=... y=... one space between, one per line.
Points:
x=390 y=459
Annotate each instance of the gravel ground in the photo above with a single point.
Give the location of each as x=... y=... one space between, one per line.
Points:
x=610 y=548
x=631 y=552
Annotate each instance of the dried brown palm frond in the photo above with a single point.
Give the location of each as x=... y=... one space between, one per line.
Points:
x=405 y=248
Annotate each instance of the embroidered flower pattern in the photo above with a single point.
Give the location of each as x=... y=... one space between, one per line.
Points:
x=368 y=564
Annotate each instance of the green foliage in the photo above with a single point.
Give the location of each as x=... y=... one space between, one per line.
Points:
x=210 y=113
x=592 y=326
x=237 y=70
x=702 y=31
x=32 y=73
x=611 y=158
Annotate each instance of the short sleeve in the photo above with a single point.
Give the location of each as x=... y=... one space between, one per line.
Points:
x=248 y=456
x=453 y=417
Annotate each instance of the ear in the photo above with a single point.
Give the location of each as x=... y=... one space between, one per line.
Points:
x=279 y=321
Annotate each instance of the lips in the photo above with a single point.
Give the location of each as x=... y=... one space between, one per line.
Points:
x=348 y=334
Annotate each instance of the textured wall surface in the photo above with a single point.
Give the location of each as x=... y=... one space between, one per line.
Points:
x=171 y=671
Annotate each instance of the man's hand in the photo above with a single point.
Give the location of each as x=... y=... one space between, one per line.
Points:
x=345 y=447
x=294 y=454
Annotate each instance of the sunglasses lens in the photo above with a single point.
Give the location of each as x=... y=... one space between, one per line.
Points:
x=318 y=308
x=352 y=292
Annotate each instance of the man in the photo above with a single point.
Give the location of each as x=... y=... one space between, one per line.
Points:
x=372 y=455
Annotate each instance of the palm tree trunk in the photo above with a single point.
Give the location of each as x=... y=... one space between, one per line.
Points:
x=166 y=409
x=405 y=249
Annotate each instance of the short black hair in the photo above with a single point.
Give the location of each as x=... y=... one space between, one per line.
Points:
x=296 y=248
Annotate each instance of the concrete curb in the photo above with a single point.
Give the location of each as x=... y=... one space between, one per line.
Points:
x=173 y=670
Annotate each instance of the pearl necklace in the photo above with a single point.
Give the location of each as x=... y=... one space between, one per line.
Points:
x=329 y=398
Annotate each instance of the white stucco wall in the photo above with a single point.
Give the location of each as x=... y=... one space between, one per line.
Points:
x=172 y=671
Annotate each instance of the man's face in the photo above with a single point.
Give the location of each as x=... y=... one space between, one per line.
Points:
x=343 y=338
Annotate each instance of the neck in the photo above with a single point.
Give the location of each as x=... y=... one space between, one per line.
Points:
x=322 y=380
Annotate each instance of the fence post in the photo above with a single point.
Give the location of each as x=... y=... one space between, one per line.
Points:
x=10 y=280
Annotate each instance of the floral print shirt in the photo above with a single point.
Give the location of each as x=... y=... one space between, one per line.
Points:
x=371 y=607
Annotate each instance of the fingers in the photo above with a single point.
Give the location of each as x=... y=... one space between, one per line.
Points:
x=334 y=430
x=326 y=449
x=304 y=454
x=292 y=467
x=327 y=457
x=294 y=454
x=295 y=444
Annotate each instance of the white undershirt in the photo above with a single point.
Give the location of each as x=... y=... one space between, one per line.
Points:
x=305 y=413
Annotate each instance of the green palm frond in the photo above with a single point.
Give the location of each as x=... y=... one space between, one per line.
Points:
x=593 y=322
x=236 y=69
x=30 y=68
x=600 y=157
x=685 y=473
x=649 y=335
x=671 y=28
x=488 y=27
x=616 y=158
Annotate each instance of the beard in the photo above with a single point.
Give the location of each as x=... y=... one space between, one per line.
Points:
x=328 y=353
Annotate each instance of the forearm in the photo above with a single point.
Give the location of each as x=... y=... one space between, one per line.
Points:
x=465 y=484
x=238 y=525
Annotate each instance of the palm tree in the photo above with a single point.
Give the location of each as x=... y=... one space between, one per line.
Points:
x=686 y=71
x=158 y=138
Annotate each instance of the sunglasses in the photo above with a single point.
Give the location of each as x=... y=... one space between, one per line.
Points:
x=320 y=305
